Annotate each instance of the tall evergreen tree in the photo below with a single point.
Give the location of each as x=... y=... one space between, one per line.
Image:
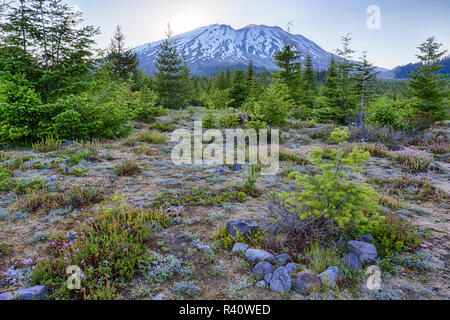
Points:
x=123 y=62
x=345 y=67
x=429 y=88
x=170 y=77
x=310 y=89
x=228 y=78
x=364 y=75
x=239 y=90
x=288 y=61
x=330 y=96
x=19 y=26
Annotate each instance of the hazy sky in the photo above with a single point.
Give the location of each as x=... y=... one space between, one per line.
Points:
x=404 y=23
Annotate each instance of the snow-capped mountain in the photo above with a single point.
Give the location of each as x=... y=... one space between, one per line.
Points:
x=214 y=47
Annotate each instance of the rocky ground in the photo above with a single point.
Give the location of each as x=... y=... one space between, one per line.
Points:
x=186 y=263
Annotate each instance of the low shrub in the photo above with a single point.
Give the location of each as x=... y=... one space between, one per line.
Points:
x=129 y=167
x=108 y=249
x=415 y=160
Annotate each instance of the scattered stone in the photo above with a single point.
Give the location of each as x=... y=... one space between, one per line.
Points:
x=244 y=227
x=306 y=283
x=240 y=247
x=282 y=259
x=237 y=167
x=291 y=267
x=255 y=255
x=330 y=276
x=261 y=284
x=159 y=297
x=261 y=269
x=367 y=238
x=268 y=277
x=365 y=251
x=177 y=220
x=72 y=235
x=281 y=281
x=351 y=260
x=33 y=293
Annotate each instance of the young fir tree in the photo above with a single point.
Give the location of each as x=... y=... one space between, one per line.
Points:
x=239 y=90
x=252 y=83
x=429 y=88
x=309 y=84
x=171 y=75
x=345 y=67
x=364 y=75
x=330 y=96
x=228 y=78
x=122 y=61
x=288 y=61
x=220 y=81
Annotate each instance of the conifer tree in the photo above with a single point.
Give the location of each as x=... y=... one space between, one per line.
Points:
x=288 y=61
x=365 y=73
x=228 y=78
x=123 y=62
x=309 y=84
x=428 y=87
x=345 y=67
x=239 y=90
x=331 y=95
x=171 y=75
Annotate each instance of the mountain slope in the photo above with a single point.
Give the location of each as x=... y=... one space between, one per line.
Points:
x=403 y=72
x=211 y=48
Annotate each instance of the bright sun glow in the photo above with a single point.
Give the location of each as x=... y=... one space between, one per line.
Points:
x=185 y=21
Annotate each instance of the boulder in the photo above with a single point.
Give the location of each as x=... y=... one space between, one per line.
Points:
x=351 y=260
x=365 y=251
x=255 y=255
x=240 y=248
x=244 y=227
x=281 y=280
x=261 y=269
x=33 y=293
x=282 y=259
x=268 y=277
x=367 y=238
x=306 y=283
x=291 y=267
x=261 y=284
x=330 y=276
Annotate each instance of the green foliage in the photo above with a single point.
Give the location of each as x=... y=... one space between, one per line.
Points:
x=394 y=236
x=249 y=186
x=109 y=247
x=229 y=119
x=152 y=137
x=146 y=108
x=331 y=193
x=239 y=90
x=293 y=158
x=127 y=168
x=224 y=239
x=272 y=107
x=5 y=248
x=385 y=112
x=199 y=197
x=47 y=144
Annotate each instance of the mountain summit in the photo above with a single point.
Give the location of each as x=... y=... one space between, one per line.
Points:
x=214 y=47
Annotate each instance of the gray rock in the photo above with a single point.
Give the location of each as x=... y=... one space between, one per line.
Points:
x=330 y=276
x=240 y=247
x=365 y=251
x=268 y=277
x=72 y=235
x=261 y=284
x=261 y=269
x=282 y=259
x=367 y=238
x=237 y=167
x=351 y=260
x=255 y=255
x=33 y=293
x=244 y=227
x=281 y=281
x=291 y=267
x=177 y=220
x=306 y=283
x=159 y=297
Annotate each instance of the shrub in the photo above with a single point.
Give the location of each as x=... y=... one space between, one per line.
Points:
x=229 y=119
x=384 y=112
x=209 y=121
x=293 y=158
x=224 y=239
x=411 y=187
x=145 y=106
x=152 y=137
x=273 y=106
x=127 y=168
x=331 y=193
x=415 y=160
x=162 y=126
x=47 y=144
x=394 y=236
x=5 y=248
x=109 y=247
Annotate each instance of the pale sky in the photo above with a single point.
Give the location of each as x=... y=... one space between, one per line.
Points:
x=404 y=23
